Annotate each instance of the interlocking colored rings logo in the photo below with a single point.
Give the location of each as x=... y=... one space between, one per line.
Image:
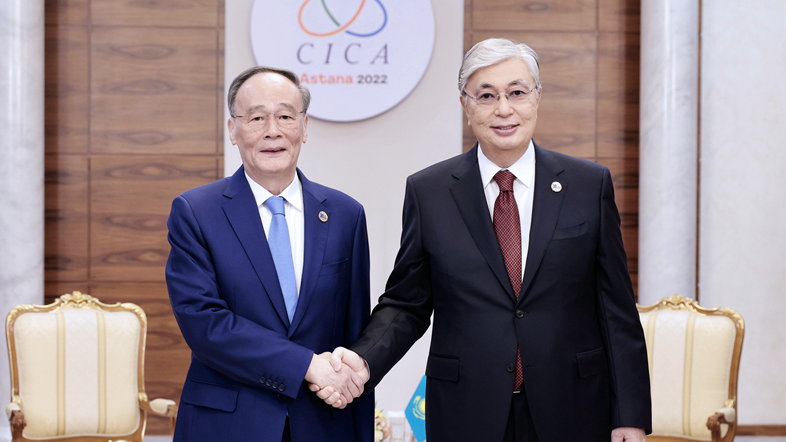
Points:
x=342 y=26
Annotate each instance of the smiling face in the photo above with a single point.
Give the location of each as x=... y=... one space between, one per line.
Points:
x=269 y=151
x=503 y=130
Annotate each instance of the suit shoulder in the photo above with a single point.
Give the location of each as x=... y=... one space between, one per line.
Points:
x=438 y=171
x=206 y=193
x=573 y=165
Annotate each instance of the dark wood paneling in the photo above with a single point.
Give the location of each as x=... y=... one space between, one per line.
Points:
x=66 y=89
x=66 y=12
x=618 y=96
x=544 y=15
x=130 y=201
x=154 y=92
x=163 y=13
x=619 y=16
x=761 y=430
x=66 y=205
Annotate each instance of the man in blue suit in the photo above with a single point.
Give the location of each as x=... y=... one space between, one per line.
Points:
x=267 y=273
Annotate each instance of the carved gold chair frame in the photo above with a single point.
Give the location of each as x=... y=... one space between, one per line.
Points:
x=727 y=415
x=76 y=299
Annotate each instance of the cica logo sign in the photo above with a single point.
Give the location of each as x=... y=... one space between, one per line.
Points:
x=359 y=58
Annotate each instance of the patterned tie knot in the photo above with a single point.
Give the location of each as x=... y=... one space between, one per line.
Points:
x=504 y=179
x=276 y=204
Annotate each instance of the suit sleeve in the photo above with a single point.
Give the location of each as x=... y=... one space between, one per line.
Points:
x=228 y=343
x=620 y=325
x=358 y=308
x=404 y=310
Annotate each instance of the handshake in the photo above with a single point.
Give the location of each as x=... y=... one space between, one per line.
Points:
x=337 y=378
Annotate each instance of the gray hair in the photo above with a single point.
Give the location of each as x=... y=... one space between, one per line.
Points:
x=248 y=73
x=496 y=50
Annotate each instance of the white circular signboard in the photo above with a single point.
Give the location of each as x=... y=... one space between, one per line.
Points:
x=359 y=58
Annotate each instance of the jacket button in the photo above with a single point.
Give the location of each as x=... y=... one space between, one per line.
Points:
x=268 y=383
x=275 y=384
x=282 y=387
x=510 y=368
x=262 y=380
x=519 y=314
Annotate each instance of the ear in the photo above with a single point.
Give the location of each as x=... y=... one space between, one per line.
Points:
x=231 y=128
x=305 y=130
x=463 y=101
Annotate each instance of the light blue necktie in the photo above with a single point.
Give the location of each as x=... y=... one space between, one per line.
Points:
x=278 y=239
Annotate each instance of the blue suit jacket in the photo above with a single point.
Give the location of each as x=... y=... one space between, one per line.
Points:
x=248 y=362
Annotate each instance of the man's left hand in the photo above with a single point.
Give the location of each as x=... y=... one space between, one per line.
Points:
x=627 y=434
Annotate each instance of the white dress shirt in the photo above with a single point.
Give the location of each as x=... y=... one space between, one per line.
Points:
x=523 y=190
x=293 y=211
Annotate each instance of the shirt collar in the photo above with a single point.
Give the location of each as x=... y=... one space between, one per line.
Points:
x=523 y=169
x=293 y=193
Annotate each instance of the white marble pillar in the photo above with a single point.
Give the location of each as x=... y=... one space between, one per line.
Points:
x=668 y=148
x=21 y=165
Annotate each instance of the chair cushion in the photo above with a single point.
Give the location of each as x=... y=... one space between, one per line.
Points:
x=78 y=372
x=690 y=361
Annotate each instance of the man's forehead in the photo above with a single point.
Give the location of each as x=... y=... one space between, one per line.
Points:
x=268 y=89
x=510 y=72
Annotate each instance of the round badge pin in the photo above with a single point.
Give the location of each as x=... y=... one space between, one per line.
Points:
x=556 y=186
x=323 y=216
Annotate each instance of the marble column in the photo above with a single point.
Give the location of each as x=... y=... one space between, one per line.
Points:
x=668 y=148
x=21 y=164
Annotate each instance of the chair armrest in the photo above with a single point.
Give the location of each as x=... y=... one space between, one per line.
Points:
x=13 y=406
x=161 y=407
x=16 y=419
x=725 y=415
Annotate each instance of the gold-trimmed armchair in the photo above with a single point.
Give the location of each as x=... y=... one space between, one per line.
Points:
x=77 y=372
x=694 y=360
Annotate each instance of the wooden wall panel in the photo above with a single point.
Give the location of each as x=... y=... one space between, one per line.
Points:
x=618 y=96
x=545 y=15
x=130 y=200
x=134 y=111
x=65 y=90
x=161 y=13
x=65 y=227
x=153 y=92
x=619 y=16
x=66 y=12
x=589 y=68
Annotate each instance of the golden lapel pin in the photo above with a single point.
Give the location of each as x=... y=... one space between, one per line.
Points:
x=323 y=216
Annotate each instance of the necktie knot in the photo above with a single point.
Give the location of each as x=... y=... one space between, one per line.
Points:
x=276 y=204
x=504 y=179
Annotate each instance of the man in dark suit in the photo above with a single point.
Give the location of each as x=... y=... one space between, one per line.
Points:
x=267 y=272
x=517 y=252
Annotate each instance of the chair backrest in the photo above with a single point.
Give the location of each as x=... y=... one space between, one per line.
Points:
x=694 y=356
x=77 y=367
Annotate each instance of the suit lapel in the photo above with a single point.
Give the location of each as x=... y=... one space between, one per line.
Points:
x=316 y=233
x=241 y=209
x=546 y=206
x=471 y=201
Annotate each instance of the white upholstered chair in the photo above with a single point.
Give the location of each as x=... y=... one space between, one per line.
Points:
x=694 y=360
x=77 y=372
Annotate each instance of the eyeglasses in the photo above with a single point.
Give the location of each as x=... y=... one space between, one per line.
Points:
x=516 y=96
x=258 y=120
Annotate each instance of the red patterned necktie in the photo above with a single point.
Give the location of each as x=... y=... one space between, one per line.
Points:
x=508 y=229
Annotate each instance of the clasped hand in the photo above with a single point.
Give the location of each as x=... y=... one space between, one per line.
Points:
x=338 y=377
